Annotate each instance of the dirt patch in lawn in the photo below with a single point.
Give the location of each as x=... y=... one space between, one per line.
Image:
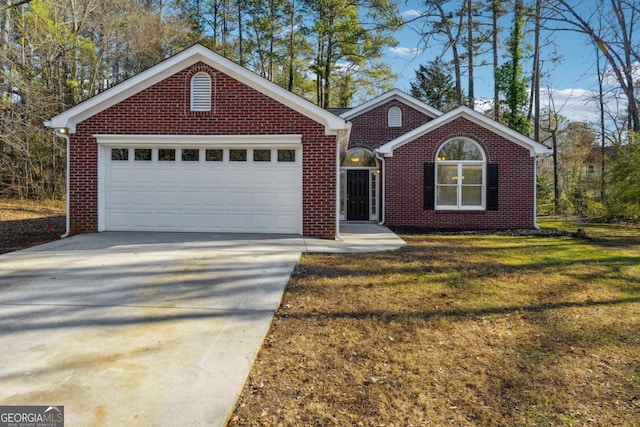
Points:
x=456 y=330
x=26 y=223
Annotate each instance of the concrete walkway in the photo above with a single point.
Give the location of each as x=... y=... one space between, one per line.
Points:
x=147 y=328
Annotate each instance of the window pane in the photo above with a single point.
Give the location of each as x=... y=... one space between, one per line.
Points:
x=286 y=155
x=359 y=157
x=472 y=196
x=447 y=196
x=374 y=198
x=472 y=174
x=342 y=192
x=261 y=155
x=459 y=149
x=142 y=154
x=120 y=154
x=238 y=155
x=166 y=154
x=213 y=155
x=190 y=155
x=447 y=174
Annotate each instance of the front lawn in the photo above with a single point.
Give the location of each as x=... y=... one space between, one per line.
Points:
x=458 y=330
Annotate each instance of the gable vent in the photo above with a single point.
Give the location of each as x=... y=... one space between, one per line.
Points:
x=395 y=117
x=201 y=92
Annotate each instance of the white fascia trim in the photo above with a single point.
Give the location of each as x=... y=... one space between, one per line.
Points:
x=194 y=140
x=182 y=60
x=391 y=95
x=92 y=106
x=535 y=148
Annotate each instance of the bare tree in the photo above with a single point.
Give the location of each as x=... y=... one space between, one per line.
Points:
x=440 y=22
x=612 y=27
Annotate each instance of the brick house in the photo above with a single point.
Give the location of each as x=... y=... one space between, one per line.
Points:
x=198 y=143
x=409 y=165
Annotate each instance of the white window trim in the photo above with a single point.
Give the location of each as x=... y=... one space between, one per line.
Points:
x=460 y=164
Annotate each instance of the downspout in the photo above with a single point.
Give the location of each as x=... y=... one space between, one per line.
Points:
x=343 y=136
x=64 y=133
x=535 y=193
x=382 y=186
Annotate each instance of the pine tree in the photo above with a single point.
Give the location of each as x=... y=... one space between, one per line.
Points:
x=434 y=86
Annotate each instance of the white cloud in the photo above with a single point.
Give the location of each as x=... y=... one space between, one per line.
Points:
x=577 y=105
x=581 y=104
x=405 y=51
x=411 y=13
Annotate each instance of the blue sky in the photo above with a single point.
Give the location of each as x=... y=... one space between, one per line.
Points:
x=573 y=80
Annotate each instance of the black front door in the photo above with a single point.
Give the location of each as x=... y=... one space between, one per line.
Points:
x=358 y=195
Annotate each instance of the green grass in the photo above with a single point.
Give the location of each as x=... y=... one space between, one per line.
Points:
x=458 y=330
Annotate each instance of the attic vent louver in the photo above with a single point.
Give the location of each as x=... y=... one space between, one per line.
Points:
x=394 y=117
x=201 y=92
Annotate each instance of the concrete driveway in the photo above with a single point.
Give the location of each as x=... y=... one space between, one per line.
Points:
x=145 y=328
x=138 y=328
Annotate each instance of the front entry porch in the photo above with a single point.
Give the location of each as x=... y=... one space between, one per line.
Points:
x=359 y=186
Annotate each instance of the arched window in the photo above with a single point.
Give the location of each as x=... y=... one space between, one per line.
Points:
x=394 y=117
x=359 y=157
x=460 y=175
x=201 y=92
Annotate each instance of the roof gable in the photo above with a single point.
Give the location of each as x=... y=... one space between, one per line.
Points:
x=395 y=94
x=535 y=148
x=196 y=53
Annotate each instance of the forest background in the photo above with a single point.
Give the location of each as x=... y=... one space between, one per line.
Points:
x=57 y=53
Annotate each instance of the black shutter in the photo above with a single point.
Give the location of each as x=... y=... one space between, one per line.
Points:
x=492 y=187
x=428 y=187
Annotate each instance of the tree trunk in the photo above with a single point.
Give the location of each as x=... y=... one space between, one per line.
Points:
x=470 y=53
x=240 y=41
x=535 y=77
x=292 y=26
x=495 y=11
x=602 y=126
x=327 y=74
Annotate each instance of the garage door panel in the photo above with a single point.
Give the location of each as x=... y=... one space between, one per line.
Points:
x=189 y=199
x=237 y=197
x=262 y=199
x=119 y=198
x=165 y=199
x=167 y=220
x=202 y=196
x=119 y=220
x=142 y=221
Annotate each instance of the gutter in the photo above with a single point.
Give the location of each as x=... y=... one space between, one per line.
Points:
x=343 y=136
x=383 y=193
x=64 y=133
x=535 y=193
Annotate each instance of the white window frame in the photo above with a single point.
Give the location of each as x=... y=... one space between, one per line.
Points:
x=201 y=92
x=394 y=117
x=459 y=182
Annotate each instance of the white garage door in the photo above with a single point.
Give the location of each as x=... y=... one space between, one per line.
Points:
x=238 y=189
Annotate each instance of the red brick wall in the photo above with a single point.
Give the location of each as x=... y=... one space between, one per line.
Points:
x=237 y=109
x=371 y=129
x=404 y=182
